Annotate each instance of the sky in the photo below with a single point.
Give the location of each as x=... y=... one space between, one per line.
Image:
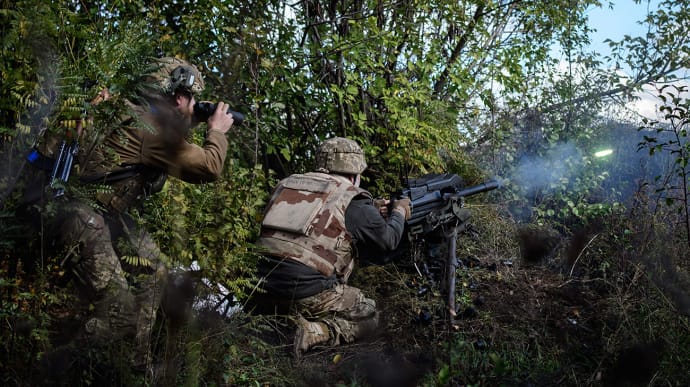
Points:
x=613 y=24
x=617 y=22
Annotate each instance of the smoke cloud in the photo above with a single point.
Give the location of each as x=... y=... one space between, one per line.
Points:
x=536 y=174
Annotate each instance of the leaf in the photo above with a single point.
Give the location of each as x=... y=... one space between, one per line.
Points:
x=285 y=152
x=136 y=261
x=443 y=375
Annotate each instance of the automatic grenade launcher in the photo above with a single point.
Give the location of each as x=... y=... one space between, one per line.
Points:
x=438 y=208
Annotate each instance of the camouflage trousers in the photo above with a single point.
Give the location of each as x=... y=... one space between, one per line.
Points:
x=347 y=312
x=119 y=269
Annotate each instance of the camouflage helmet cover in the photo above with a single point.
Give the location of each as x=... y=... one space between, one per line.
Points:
x=171 y=74
x=340 y=155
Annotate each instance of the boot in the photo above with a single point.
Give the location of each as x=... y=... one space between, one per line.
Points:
x=310 y=334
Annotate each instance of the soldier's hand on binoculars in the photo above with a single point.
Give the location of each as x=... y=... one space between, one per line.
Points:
x=219 y=120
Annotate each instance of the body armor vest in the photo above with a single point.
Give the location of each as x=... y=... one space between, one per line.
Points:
x=305 y=221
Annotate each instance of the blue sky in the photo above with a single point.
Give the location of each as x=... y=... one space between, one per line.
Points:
x=617 y=22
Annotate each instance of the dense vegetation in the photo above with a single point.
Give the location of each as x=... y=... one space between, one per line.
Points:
x=579 y=275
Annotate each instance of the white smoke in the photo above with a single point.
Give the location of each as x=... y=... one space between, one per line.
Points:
x=540 y=173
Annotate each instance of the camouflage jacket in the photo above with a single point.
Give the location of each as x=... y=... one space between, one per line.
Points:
x=155 y=141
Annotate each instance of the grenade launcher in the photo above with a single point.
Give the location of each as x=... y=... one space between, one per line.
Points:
x=438 y=213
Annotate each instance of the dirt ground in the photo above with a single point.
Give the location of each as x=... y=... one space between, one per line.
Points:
x=504 y=306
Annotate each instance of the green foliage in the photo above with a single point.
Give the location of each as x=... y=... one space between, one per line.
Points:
x=424 y=87
x=563 y=182
x=252 y=362
x=136 y=261
x=26 y=302
x=212 y=224
x=471 y=362
x=212 y=351
x=669 y=137
x=659 y=52
x=398 y=78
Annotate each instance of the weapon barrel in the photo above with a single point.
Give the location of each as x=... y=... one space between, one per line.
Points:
x=475 y=189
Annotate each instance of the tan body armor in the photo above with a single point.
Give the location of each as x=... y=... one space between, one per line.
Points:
x=305 y=221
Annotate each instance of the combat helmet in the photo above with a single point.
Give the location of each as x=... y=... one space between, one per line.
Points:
x=340 y=155
x=172 y=74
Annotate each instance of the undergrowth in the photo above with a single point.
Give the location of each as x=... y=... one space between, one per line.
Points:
x=606 y=304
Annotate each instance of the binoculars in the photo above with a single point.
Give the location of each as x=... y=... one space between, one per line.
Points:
x=204 y=110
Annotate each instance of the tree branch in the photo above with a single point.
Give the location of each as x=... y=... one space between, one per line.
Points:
x=462 y=42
